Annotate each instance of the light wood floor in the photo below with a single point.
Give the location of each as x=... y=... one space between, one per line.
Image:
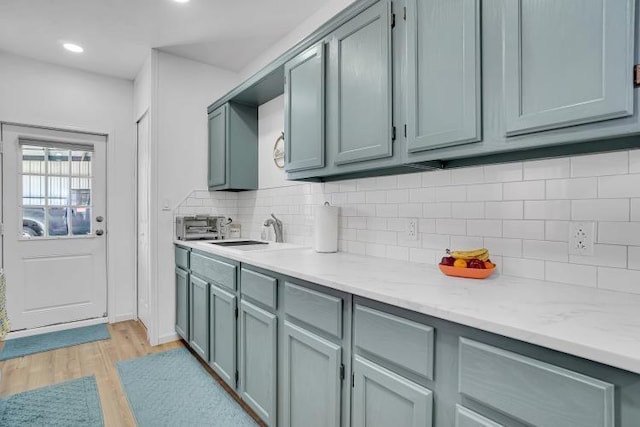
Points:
x=128 y=341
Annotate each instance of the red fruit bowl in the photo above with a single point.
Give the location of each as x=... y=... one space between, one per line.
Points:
x=469 y=273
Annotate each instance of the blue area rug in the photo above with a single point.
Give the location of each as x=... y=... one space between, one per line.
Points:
x=172 y=389
x=51 y=340
x=71 y=403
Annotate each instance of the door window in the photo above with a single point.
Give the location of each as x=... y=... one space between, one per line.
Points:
x=55 y=196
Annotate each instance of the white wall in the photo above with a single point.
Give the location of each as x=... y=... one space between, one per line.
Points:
x=184 y=90
x=270 y=127
x=142 y=89
x=36 y=93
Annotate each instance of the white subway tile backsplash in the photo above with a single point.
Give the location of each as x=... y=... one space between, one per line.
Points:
x=469 y=210
x=550 y=251
x=504 y=210
x=503 y=173
x=556 y=231
x=549 y=209
x=471 y=175
x=525 y=190
x=619 y=186
x=634 y=258
x=454 y=227
x=634 y=161
x=619 y=279
x=600 y=210
x=603 y=255
x=573 y=274
x=484 y=228
x=600 y=164
x=451 y=194
x=576 y=188
x=422 y=195
x=619 y=233
x=547 y=169
x=519 y=211
x=484 y=192
x=521 y=267
x=532 y=230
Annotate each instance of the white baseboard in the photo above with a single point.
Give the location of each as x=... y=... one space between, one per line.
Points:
x=163 y=339
x=54 y=328
x=122 y=318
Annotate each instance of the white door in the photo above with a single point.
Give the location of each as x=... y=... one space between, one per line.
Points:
x=143 y=221
x=54 y=204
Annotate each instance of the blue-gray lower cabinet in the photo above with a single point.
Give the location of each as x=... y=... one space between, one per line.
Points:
x=258 y=360
x=182 y=303
x=222 y=334
x=383 y=398
x=468 y=418
x=199 y=316
x=312 y=367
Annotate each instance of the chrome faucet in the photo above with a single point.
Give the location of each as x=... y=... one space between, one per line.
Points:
x=277 y=227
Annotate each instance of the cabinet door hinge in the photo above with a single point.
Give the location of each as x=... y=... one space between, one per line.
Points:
x=404 y=13
x=393 y=134
x=1 y=147
x=405 y=130
x=1 y=229
x=636 y=75
x=353 y=380
x=393 y=20
x=342 y=371
x=237 y=375
x=236 y=312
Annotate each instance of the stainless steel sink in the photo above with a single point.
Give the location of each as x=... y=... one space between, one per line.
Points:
x=239 y=243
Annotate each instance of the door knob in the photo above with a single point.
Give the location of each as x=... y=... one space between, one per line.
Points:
x=99 y=219
x=99 y=232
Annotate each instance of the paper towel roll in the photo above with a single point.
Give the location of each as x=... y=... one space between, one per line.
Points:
x=326 y=228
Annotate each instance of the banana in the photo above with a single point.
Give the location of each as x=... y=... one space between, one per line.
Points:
x=481 y=254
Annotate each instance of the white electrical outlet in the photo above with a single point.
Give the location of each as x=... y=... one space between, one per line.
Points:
x=412 y=228
x=581 y=238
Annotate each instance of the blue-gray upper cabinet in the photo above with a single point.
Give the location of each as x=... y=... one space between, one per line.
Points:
x=311 y=379
x=443 y=73
x=182 y=303
x=233 y=148
x=304 y=124
x=222 y=334
x=383 y=398
x=258 y=360
x=567 y=62
x=199 y=316
x=360 y=81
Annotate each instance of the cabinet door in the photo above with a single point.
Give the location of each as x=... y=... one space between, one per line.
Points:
x=182 y=303
x=258 y=370
x=443 y=73
x=222 y=336
x=312 y=379
x=361 y=85
x=383 y=398
x=218 y=147
x=467 y=418
x=567 y=62
x=304 y=110
x=199 y=316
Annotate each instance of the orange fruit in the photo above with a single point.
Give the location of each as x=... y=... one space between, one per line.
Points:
x=488 y=264
x=460 y=263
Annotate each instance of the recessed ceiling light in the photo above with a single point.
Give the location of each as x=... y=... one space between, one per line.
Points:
x=181 y=1
x=73 y=47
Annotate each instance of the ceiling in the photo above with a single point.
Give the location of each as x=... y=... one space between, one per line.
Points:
x=117 y=34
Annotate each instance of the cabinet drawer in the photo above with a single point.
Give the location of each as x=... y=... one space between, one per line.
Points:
x=213 y=270
x=532 y=391
x=182 y=257
x=468 y=418
x=399 y=341
x=258 y=287
x=314 y=308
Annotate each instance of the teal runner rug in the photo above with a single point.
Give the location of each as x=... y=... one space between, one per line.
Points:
x=172 y=389
x=70 y=404
x=24 y=346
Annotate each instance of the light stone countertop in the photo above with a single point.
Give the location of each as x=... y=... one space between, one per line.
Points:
x=598 y=325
